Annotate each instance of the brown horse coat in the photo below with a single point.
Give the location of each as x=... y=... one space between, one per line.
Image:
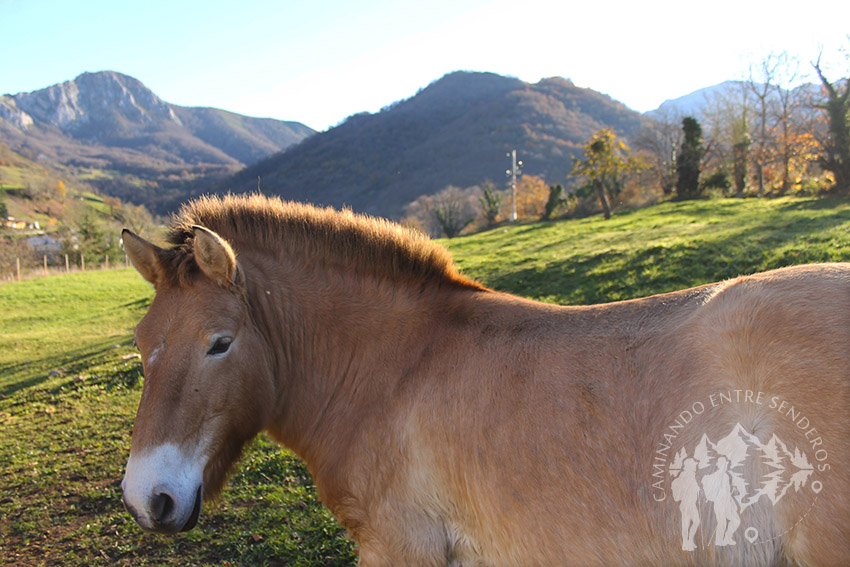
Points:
x=448 y=424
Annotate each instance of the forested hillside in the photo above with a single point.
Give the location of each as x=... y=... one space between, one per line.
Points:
x=455 y=131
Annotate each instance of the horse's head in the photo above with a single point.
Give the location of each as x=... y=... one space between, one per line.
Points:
x=208 y=386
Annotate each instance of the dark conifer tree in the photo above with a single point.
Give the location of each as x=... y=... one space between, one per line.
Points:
x=688 y=160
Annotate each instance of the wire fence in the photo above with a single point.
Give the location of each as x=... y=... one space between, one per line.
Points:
x=24 y=269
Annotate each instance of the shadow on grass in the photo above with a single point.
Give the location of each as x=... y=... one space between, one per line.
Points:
x=76 y=361
x=142 y=303
x=820 y=204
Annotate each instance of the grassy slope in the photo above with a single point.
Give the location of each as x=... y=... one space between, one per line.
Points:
x=65 y=438
x=663 y=248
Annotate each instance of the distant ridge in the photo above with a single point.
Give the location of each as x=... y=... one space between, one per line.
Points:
x=455 y=131
x=701 y=100
x=107 y=121
x=697 y=102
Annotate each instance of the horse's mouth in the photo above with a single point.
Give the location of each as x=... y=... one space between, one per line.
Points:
x=196 y=510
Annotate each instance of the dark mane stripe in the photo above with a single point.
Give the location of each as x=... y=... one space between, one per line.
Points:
x=369 y=245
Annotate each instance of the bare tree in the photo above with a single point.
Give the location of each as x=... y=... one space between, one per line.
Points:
x=761 y=84
x=791 y=138
x=453 y=210
x=13 y=251
x=726 y=124
x=659 y=139
x=447 y=212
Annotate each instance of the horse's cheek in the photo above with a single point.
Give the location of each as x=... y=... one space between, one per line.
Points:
x=257 y=392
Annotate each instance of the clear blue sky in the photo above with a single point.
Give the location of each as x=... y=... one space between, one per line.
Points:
x=320 y=61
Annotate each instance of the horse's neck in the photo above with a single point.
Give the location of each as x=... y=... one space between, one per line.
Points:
x=341 y=343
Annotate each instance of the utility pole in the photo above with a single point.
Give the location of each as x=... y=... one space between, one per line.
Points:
x=513 y=172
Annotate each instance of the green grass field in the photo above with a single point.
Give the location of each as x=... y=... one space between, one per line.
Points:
x=70 y=380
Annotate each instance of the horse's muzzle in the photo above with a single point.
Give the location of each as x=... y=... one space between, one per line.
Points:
x=163 y=489
x=163 y=514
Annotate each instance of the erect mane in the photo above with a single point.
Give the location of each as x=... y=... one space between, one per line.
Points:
x=369 y=245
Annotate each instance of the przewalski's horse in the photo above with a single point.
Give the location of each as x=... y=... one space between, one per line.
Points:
x=448 y=424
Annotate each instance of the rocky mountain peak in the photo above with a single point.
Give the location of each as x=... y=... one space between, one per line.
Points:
x=100 y=97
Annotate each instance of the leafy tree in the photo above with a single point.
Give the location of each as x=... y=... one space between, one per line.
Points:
x=90 y=237
x=557 y=199
x=717 y=180
x=604 y=163
x=835 y=155
x=689 y=159
x=4 y=212
x=491 y=203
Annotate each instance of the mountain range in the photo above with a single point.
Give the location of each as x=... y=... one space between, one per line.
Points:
x=112 y=131
x=109 y=130
x=695 y=103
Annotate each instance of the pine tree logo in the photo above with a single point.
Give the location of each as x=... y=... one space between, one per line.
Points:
x=714 y=474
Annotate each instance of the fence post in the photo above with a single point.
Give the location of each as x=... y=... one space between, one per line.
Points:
x=82 y=263
x=45 y=265
x=106 y=261
x=18 y=267
x=67 y=265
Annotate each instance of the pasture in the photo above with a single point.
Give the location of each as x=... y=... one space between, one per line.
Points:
x=70 y=380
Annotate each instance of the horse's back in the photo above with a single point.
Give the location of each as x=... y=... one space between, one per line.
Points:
x=557 y=447
x=776 y=358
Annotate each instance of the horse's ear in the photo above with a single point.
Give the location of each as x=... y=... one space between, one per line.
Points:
x=143 y=255
x=215 y=256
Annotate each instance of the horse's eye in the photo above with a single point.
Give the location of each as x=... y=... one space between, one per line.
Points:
x=220 y=346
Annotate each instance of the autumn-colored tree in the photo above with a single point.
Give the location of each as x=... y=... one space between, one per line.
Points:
x=532 y=192
x=604 y=164
x=787 y=140
x=781 y=132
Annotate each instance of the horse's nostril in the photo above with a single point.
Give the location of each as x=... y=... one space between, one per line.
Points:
x=161 y=507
